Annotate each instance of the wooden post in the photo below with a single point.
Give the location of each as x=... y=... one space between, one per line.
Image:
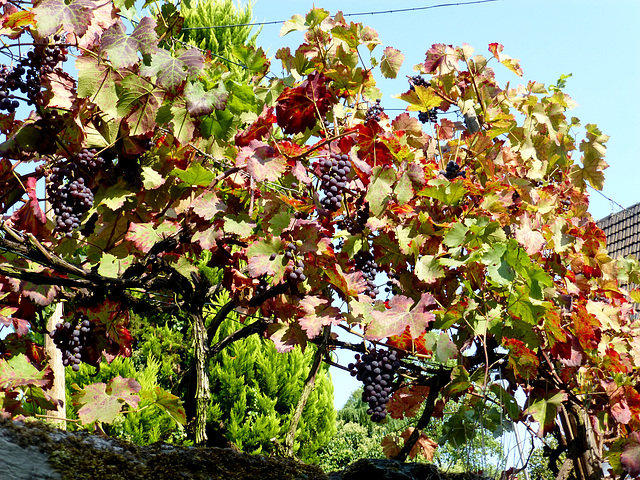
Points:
x=57 y=391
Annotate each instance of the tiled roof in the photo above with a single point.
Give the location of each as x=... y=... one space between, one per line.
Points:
x=623 y=232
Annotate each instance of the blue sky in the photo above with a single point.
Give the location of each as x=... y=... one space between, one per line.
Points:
x=597 y=42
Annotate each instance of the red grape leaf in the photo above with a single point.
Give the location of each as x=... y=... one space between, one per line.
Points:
x=201 y=102
x=630 y=457
x=532 y=240
x=297 y=108
x=262 y=161
x=104 y=16
x=39 y=294
x=401 y=314
x=258 y=129
x=349 y=285
x=441 y=56
x=139 y=102
x=511 y=63
x=544 y=411
x=30 y=217
x=17 y=371
x=406 y=401
x=145 y=235
x=425 y=446
x=522 y=360
x=208 y=205
x=285 y=336
x=259 y=254
x=74 y=16
x=318 y=313
x=103 y=403
x=172 y=70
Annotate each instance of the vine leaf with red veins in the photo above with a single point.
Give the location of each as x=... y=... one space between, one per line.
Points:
x=262 y=161
x=102 y=403
x=74 y=16
x=17 y=371
x=298 y=108
x=172 y=71
x=400 y=315
x=318 y=313
x=123 y=48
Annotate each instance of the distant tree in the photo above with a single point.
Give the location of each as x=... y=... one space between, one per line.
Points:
x=219 y=41
x=255 y=391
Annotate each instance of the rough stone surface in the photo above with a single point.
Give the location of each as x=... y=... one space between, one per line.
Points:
x=35 y=451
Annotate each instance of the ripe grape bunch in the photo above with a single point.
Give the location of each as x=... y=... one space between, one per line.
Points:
x=417 y=81
x=374 y=112
x=71 y=341
x=26 y=75
x=430 y=116
x=333 y=176
x=376 y=371
x=367 y=265
x=68 y=192
x=295 y=267
x=356 y=224
x=453 y=171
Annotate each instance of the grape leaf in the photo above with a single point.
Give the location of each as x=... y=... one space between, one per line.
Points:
x=74 y=16
x=630 y=457
x=172 y=71
x=420 y=99
x=195 y=175
x=208 y=205
x=402 y=313
x=297 y=108
x=259 y=253
x=17 y=371
x=123 y=48
x=201 y=102
x=102 y=403
x=544 y=411
x=391 y=62
x=440 y=57
x=262 y=161
x=167 y=402
x=532 y=240
x=318 y=313
x=441 y=345
x=428 y=269
x=406 y=401
x=97 y=82
x=593 y=162
x=511 y=63
x=139 y=101
x=258 y=130
x=522 y=360
x=146 y=235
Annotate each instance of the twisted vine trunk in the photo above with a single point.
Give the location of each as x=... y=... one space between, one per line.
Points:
x=203 y=394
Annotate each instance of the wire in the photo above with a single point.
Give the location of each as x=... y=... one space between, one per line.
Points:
x=381 y=12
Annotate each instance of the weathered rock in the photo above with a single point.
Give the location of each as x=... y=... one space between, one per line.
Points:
x=33 y=451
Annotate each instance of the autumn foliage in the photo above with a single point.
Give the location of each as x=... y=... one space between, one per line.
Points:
x=499 y=279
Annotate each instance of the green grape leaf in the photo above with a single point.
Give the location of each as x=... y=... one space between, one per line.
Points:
x=17 y=371
x=544 y=411
x=391 y=62
x=100 y=402
x=123 y=48
x=171 y=70
x=97 y=82
x=167 y=402
x=201 y=102
x=208 y=205
x=195 y=175
x=428 y=269
x=145 y=235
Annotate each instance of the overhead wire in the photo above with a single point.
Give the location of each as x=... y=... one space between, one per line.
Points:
x=380 y=12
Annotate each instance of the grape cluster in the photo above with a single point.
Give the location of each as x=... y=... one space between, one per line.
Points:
x=453 y=171
x=68 y=192
x=333 y=175
x=356 y=224
x=70 y=340
x=430 y=116
x=26 y=75
x=374 y=112
x=367 y=265
x=417 y=81
x=376 y=370
x=295 y=268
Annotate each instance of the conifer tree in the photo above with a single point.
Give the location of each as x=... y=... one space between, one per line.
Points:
x=255 y=390
x=220 y=42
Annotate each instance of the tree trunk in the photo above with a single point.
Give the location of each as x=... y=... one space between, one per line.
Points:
x=203 y=394
x=57 y=391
